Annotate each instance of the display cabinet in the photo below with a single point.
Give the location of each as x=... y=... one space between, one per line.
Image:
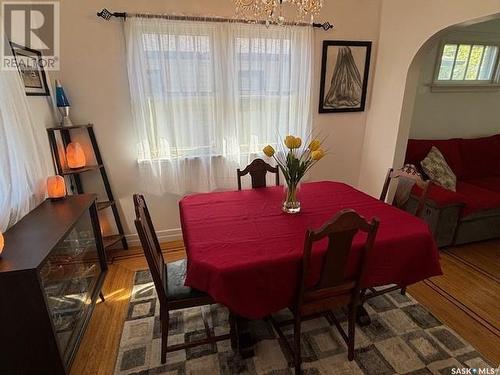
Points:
x=51 y=273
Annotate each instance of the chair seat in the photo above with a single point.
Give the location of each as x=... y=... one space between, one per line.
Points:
x=176 y=290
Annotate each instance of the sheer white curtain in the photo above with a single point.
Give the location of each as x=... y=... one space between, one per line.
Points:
x=206 y=97
x=25 y=160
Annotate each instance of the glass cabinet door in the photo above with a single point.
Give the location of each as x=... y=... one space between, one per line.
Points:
x=69 y=277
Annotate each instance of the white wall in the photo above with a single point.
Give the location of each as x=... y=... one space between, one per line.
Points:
x=440 y=115
x=405 y=26
x=93 y=73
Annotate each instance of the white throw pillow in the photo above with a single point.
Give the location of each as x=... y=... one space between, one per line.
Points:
x=438 y=170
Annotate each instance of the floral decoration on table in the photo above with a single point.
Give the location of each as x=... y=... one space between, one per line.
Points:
x=294 y=162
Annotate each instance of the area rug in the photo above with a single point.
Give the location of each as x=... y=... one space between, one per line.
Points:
x=403 y=338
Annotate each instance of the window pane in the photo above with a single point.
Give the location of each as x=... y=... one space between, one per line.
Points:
x=263 y=73
x=474 y=62
x=449 y=52
x=179 y=86
x=461 y=62
x=487 y=67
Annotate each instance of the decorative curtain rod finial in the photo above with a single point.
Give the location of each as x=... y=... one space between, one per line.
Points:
x=325 y=26
x=106 y=14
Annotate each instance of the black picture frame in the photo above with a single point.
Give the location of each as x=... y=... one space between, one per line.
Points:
x=35 y=81
x=349 y=67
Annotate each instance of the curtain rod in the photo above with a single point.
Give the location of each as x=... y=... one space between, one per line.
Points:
x=106 y=14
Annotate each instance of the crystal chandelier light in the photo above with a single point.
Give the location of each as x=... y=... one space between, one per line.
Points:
x=273 y=11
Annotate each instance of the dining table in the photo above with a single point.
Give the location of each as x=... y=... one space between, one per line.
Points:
x=246 y=253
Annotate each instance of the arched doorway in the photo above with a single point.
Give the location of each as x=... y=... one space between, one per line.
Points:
x=447 y=116
x=400 y=43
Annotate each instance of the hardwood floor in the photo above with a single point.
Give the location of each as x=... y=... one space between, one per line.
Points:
x=99 y=347
x=465 y=298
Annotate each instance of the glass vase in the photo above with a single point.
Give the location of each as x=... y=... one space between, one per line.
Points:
x=291 y=203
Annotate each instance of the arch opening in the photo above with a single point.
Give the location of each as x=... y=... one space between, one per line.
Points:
x=400 y=41
x=432 y=113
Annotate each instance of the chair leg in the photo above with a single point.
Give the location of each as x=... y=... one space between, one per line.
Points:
x=403 y=291
x=164 y=336
x=351 y=328
x=297 y=351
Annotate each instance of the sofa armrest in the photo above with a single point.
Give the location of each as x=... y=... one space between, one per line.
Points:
x=442 y=209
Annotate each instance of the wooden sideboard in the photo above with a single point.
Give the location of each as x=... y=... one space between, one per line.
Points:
x=51 y=273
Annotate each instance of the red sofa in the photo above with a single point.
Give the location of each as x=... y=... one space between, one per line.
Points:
x=472 y=213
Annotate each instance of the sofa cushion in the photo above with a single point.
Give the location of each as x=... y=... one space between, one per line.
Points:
x=473 y=198
x=480 y=157
x=489 y=183
x=436 y=167
x=418 y=149
x=440 y=196
x=477 y=198
x=176 y=275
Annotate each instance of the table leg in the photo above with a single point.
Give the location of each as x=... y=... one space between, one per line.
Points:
x=233 y=331
x=241 y=339
x=362 y=317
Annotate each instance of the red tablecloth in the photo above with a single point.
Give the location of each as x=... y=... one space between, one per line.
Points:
x=246 y=253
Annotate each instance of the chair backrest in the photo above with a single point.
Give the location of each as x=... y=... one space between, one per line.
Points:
x=151 y=247
x=340 y=231
x=258 y=169
x=398 y=175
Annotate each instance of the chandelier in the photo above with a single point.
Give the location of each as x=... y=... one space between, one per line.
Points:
x=273 y=11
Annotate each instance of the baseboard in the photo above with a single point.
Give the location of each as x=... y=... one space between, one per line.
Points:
x=163 y=236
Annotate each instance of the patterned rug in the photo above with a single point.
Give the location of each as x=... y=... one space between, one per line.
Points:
x=403 y=338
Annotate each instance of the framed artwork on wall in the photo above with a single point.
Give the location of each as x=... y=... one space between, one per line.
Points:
x=344 y=76
x=29 y=64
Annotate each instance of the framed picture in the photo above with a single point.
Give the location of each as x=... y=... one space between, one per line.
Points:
x=344 y=76
x=29 y=64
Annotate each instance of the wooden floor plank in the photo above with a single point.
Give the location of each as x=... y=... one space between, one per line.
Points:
x=475 y=290
x=485 y=256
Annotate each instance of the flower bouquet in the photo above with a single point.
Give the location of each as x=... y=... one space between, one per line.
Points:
x=294 y=163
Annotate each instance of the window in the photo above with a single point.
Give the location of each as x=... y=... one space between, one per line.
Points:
x=468 y=64
x=206 y=97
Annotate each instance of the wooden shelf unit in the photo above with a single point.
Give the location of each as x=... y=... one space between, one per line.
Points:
x=74 y=175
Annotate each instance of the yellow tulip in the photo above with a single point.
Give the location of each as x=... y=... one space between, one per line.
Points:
x=289 y=141
x=292 y=142
x=268 y=150
x=318 y=154
x=297 y=142
x=314 y=145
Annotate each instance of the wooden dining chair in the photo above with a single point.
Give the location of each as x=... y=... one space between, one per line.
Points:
x=333 y=290
x=396 y=175
x=258 y=169
x=168 y=279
